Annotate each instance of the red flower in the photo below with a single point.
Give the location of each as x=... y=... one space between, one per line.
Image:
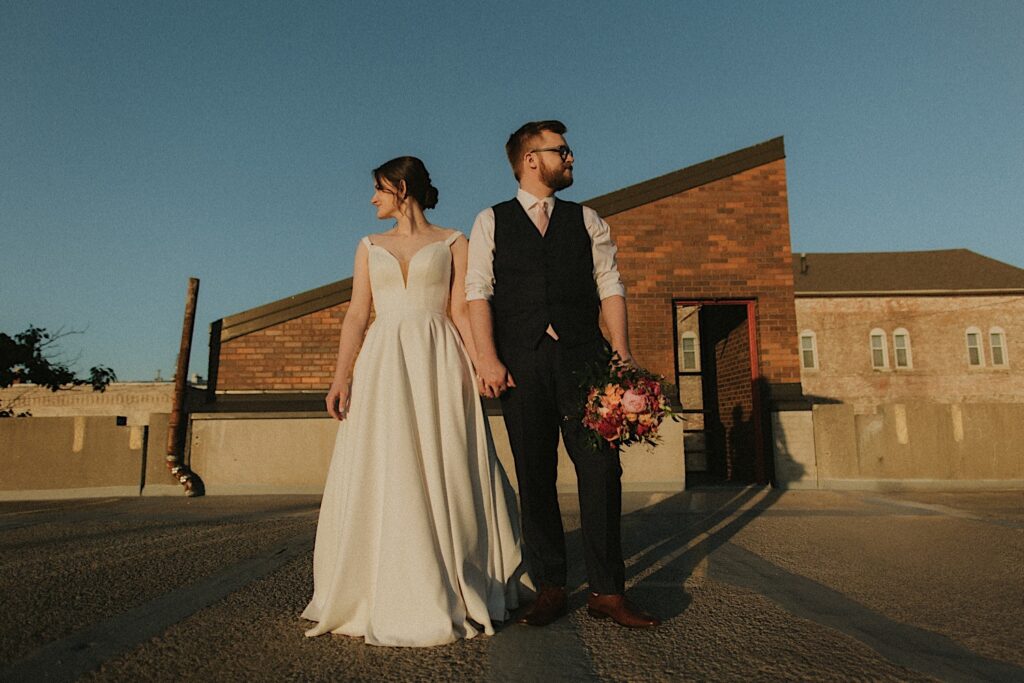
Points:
x=624 y=404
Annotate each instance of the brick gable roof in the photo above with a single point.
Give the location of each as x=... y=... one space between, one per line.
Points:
x=282 y=310
x=688 y=178
x=907 y=272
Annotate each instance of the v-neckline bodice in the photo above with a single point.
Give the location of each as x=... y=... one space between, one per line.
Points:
x=404 y=272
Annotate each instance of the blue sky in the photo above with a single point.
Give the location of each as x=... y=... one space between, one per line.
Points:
x=145 y=142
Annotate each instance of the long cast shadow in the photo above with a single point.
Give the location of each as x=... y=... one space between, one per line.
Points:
x=665 y=542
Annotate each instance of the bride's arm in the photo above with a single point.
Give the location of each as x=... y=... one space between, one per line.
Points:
x=352 y=329
x=460 y=308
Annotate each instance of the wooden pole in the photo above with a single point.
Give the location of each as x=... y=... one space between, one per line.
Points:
x=177 y=426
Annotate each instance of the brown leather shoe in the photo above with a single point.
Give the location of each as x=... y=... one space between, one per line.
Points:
x=549 y=605
x=618 y=609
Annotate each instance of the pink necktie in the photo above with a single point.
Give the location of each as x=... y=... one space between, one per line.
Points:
x=540 y=217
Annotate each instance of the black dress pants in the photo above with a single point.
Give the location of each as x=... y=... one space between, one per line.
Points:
x=547 y=390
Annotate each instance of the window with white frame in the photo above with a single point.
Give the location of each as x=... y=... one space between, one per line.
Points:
x=975 y=357
x=997 y=347
x=689 y=358
x=808 y=350
x=901 y=348
x=879 y=351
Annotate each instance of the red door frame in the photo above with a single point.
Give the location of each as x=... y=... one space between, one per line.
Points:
x=760 y=464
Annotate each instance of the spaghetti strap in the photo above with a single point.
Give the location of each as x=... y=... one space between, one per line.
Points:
x=367 y=242
x=452 y=237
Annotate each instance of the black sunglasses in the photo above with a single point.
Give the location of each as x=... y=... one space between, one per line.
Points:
x=563 y=151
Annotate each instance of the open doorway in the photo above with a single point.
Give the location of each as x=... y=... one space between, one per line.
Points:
x=718 y=376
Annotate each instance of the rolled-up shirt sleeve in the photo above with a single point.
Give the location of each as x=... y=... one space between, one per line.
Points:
x=480 y=261
x=606 y=272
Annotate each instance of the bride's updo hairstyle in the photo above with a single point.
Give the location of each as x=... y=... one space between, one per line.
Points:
x=413 y=173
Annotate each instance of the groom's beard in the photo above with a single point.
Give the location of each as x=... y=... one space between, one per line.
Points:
x=557 y=178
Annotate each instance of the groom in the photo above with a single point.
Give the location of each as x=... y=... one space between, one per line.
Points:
x=540 y=272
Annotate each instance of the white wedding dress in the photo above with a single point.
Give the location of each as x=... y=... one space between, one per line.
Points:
x=418 y=539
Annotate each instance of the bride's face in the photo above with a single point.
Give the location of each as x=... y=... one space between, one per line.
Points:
x=385 y=198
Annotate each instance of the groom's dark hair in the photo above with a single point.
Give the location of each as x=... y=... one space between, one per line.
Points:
x=515 y=148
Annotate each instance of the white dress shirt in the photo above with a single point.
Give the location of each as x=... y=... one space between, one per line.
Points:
x=480 y=265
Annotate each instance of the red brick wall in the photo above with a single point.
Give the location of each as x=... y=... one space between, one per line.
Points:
x=726 y=239
x=734 y=403
x=295 y=355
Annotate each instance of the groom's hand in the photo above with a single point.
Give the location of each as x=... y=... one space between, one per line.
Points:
x=494 y=378
x=627 y=358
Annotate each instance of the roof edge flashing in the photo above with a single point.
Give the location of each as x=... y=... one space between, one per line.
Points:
x=689 y=177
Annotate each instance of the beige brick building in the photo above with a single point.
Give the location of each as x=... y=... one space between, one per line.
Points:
x=944 y=326
x=135 y=401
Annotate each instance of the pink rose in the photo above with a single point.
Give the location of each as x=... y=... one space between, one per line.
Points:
x=632 y=402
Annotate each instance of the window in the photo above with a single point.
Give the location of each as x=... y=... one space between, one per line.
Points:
x=974 y=356
x=901 y=348
x=997 y=347
x=689 y=359
x=808 y=350
x=879 y=354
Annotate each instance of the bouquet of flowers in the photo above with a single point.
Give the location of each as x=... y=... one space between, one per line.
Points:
x=624 y=404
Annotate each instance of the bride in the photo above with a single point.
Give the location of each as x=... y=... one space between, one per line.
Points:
x=418 y=539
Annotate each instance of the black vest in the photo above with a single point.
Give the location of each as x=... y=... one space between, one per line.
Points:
x=543 y=280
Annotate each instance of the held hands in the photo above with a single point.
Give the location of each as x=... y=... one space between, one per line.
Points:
x=493 y=378
x=338 y=399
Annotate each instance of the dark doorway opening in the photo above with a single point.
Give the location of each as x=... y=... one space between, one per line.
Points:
x=718 y=378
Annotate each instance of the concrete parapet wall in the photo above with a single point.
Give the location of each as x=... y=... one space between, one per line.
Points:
x=796 y=466
x=158 y=479
x=45 y=458
x=262 y=453
x=290 y=453
x=658 y=468
x=661 y=468
x=920 y=444
x=56 y=457
x=252 y=453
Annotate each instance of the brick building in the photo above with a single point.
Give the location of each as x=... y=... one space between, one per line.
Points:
x=705 y=256
x=946 y=326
